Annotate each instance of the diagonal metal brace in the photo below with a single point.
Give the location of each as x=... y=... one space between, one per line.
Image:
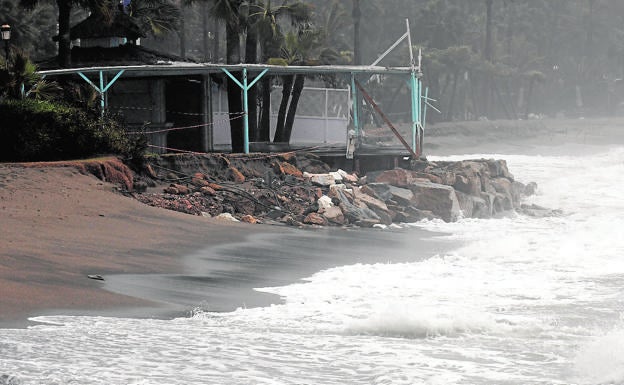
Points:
x=370 y=100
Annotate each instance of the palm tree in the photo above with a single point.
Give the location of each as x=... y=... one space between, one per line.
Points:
x=64 y=13
x=19 y=79
x=155 y=17
x=267 y=22
x=304 y=47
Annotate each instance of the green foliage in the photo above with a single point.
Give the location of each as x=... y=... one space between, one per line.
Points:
x=19 y=79
x=35 y=130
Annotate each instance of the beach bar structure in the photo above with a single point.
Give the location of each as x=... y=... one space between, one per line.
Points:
x=155 y=77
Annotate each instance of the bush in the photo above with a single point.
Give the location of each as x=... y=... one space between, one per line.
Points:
x=34 y=130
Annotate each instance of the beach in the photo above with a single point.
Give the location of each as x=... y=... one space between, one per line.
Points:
x=59 y=226
x=515 y=299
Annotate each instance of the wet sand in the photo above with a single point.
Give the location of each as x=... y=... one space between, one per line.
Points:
x=58 y=226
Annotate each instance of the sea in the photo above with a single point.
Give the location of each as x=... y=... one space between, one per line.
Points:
x=520 y=300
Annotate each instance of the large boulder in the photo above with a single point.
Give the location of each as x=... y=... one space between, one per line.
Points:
x=397 y=177
x=388 y=192
x=440 y=199
x=355 y=214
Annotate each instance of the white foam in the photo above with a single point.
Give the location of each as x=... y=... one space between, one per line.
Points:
x=522 y=301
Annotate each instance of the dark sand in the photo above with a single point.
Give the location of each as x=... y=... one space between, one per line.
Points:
x=58 y=226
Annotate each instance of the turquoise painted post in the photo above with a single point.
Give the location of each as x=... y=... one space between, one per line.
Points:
x=354 y=101
x=424 y=121
x=102 y=104
x=246 y=111
x=415 y=111
x=245 y=87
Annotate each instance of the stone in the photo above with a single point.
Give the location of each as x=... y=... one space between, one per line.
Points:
x=249 y=219
x=315 y=219
x=504 y=194
x=205 y=214
x=351 y=178
x=226 y=217
x=337 y=176
x=208 y=191
x=234 y=175
x=498 y=169
x=379 y=207
x=324 y=202
x=530 y=189
x=322 y=180
x=177 y=189
x=538 y=211
x=398 y=177
x=334 y=214
x=440 y=199
x=386 y=192
x=285 y=168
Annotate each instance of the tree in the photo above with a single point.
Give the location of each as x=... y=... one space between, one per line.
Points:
x=303 y=47
x=271 y=36
x=64 y=16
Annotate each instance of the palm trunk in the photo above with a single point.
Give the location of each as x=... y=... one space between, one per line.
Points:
x=280 y=129
x=64 y=42
x=357 y=17
x=235 y=104
x=292 y=109
x=264 y=129
x=451 y=107
x=251 y=56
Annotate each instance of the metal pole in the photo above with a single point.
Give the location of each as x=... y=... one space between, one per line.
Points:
x=102 y=104
x=415 y=101
x=246 y=111
x=354 y=99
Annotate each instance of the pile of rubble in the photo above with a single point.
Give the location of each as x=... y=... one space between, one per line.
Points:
x=301 y=190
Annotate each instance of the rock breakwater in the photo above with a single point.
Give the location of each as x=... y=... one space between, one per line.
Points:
x=301 y=190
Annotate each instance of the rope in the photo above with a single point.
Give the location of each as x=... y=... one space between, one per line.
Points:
x=168 y=111
x=240 y=115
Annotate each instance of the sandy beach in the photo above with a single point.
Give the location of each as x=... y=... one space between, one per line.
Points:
x=59 y=226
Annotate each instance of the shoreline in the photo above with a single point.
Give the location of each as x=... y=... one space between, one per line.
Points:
x=60 y=225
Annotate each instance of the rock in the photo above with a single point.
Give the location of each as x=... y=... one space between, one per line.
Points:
x=440 y=199
x=214 y=186
x=249 y=219
x=139 y=186
x=376 y=205
x=351 y=178
x=234 y=175
x=397 y=177
x=530 y=189
x=208 y=191
x=177 y=189
x=285 y=168
x=324 y=202
x=337 y=176
x=315 y=219
x=538 y=211
x=370 y=201
x=410 y=214
x=498 y=169
x=504 y=194
x=323 y=180
x=387 y=192
x=334 y=214
x=205 y=214
x=227 y=217
x=354 y=213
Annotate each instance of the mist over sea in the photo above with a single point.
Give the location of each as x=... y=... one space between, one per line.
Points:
x=522 y=300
